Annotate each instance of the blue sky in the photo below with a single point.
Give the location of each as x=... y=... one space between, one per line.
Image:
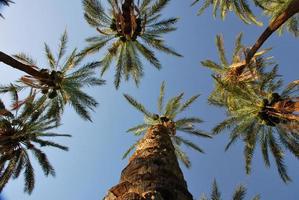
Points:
x=94 y=164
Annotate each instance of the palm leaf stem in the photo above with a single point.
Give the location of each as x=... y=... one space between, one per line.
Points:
x=291 y=10
x=8 y=60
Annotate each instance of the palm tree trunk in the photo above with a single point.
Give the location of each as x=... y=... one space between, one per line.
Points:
x=22 y=67
x=292 y=9
x=127 y=8
x=153 y=171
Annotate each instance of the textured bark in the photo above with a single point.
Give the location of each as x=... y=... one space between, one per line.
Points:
x=292 y=9
x=128 y=12
x=153 y=171
x=21 y=66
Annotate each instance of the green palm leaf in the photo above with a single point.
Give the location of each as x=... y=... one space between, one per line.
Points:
x=127 y=45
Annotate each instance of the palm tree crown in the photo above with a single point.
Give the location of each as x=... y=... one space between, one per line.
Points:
x=20 y=133
x=262 y=115
x=239 y=193
x=64 y=82
x=166 y=117
x=129 y=30
x=236 y=71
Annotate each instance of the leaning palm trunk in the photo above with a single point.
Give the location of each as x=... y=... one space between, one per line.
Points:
x=31 y=70
x=292 y=9
x=153 y=171
x=128 y=17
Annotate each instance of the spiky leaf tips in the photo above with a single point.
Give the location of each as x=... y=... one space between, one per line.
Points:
x=260 y=114
x=235 y=71
x=257 y=112
x=240 y=7
x=167 y=116
x=129 y=31
x=23 y=130
x=5 y=3
x=239 y=193
x=62 y=82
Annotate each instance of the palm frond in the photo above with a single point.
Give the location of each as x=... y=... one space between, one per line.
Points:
x=138 y=106
x=215 y=195
x=161 y=97
x=182 y=156
x=62 y=47
x=239 y=193
x=138 y=129
x=50 y=57
x=132 y=147
x=189 y=144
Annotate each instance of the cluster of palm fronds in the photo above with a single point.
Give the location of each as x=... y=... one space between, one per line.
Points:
x=241 y=8
x=24 y=129
x=167 y=116
x=64 y=83
x=258 y=111
x=128 y=34
x=44 y=97
x=237 y=71
x=239 y=193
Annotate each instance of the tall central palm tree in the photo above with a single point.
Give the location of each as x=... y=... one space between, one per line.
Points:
x=24 y=130
x=153 y=171
x=61 y=83
x=129 y=30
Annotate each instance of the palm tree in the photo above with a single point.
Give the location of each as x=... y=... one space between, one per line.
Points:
x=239 y=193
x=235 y=71
x=21 y=130
x=153 y=170
x=5 y=3
x=128 y=31
x=59 y=84
x=261 y=115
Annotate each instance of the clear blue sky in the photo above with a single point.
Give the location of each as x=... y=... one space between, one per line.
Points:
x=94 y=164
